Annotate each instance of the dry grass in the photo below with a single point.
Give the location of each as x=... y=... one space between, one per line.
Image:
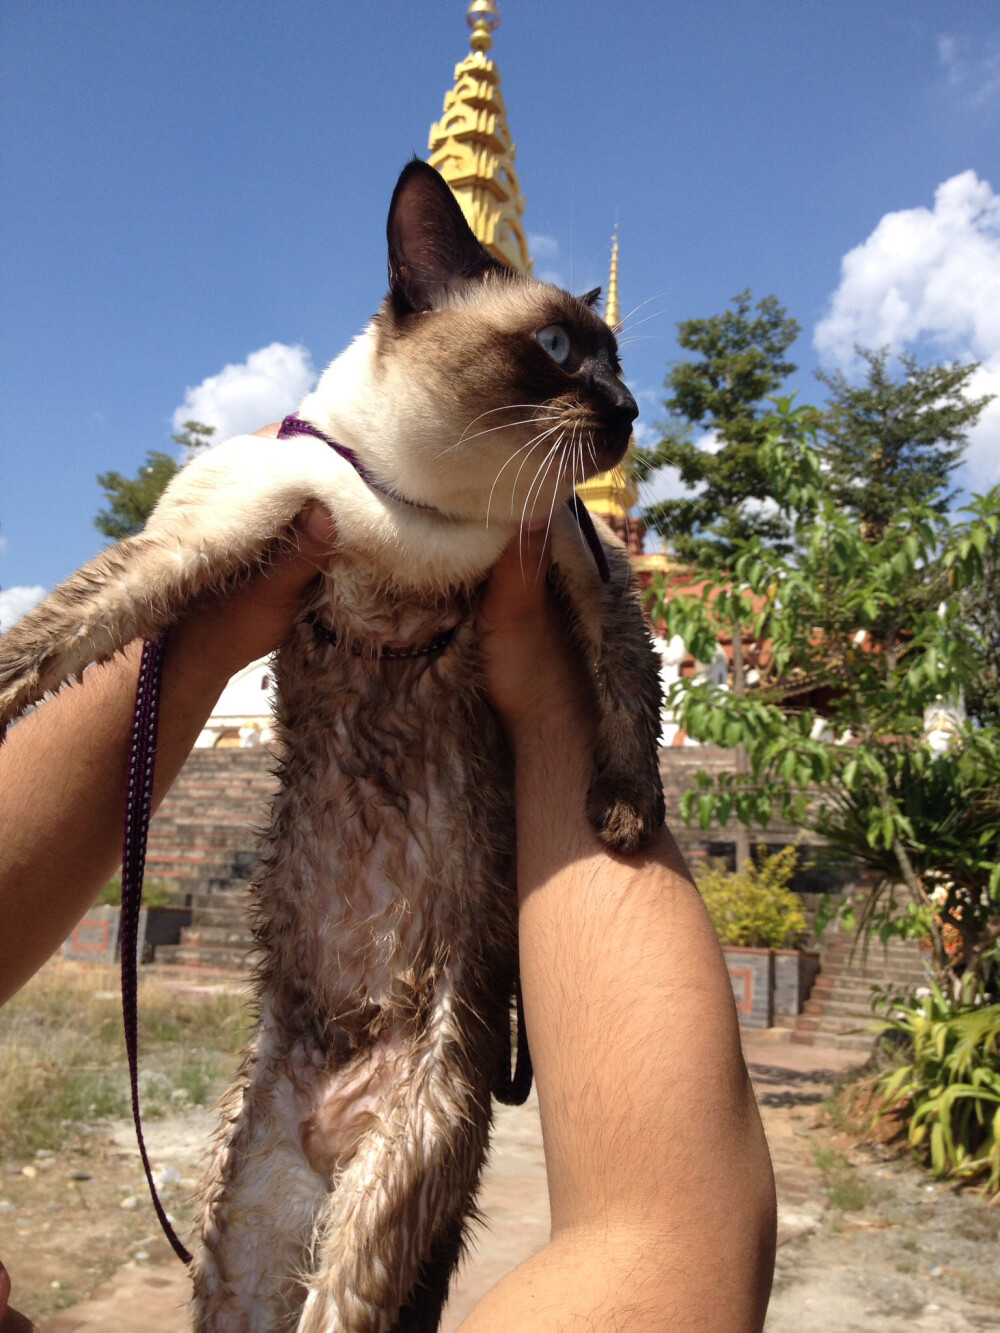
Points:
x=63 y=1062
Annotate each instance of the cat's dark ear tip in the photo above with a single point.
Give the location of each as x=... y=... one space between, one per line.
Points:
x=431 y=246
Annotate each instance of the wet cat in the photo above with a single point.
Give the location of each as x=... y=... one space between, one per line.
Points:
x=385 y=914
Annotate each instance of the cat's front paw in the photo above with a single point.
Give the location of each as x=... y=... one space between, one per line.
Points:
x=626 y=809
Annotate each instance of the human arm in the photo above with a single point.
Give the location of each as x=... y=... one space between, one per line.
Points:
x=659 y=1178
x=62 y=769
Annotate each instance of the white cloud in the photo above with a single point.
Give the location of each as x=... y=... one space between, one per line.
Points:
x=16 y=602
x=929 y=278
x=546 y=253
x=543 y=247
x=973 y=76
x=240 y=399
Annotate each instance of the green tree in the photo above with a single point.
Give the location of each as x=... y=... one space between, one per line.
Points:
x=876 y=632
x=131 y=500
x=891 y=442
x=741 y=360
x=983 y=611
x=193 y=437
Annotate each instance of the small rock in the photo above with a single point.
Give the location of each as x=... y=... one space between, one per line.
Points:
x=6 y=1206
x=12 y=1169
x=165 y=1176
x=29 y=1171
x=42 y=1153
x=180 y=1095
x=81 y=1175
x=46 y=1164
x=141 y=1256
x=129 y=1203
x=55 y=1284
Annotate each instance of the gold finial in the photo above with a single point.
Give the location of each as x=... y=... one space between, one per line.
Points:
x=484 y=20
x=472 y=148
x=612 y=314
x=612 y=494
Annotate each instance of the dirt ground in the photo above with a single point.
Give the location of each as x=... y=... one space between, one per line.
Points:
x=865 y=1243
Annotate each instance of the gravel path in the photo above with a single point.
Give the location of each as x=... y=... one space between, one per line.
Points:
x=865 y=1243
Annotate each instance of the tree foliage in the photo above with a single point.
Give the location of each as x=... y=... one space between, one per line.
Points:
x=891 y=442
x=741 y=360
x=131 y=500
x=862 y=637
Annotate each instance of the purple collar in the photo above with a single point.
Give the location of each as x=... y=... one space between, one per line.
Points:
x=296 y=425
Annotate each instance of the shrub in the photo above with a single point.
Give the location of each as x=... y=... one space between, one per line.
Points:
x=951 y=1086
x=756 y=908
x=155 y=893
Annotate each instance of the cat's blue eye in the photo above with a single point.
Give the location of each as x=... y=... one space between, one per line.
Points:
x=555 y=340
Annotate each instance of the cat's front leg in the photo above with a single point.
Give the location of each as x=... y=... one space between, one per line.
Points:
x=221 y=515
x=625 y=800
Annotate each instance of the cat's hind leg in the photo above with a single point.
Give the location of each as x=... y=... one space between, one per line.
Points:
x=393 y=1229
x=261 y=1199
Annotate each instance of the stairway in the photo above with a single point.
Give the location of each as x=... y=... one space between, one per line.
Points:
x=203 y=839
x=840 y=1001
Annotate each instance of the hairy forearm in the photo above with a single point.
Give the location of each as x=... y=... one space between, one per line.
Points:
x=62 y=789
x=659 y=1177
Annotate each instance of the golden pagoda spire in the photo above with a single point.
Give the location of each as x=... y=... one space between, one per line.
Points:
x=612 y=494
x=471 y=147
x=612 y=314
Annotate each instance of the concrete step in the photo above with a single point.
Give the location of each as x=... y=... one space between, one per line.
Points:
x=222 y=917
x=222 y=959
x=232 y=935
x=839 y=1008
x=233 y=898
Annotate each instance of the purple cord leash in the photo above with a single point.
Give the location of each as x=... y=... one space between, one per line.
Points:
x=138 y=806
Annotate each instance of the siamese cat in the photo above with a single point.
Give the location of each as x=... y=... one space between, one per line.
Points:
x=352 y=1139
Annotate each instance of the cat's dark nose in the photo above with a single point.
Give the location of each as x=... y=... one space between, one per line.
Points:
x=598 y=375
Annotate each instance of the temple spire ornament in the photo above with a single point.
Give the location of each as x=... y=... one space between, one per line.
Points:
x=612 y=313
x=471 y=147
x=614 y=494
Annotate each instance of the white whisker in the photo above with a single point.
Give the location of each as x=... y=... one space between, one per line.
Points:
x=655 y=297
x=525 y=519
x=532 y=444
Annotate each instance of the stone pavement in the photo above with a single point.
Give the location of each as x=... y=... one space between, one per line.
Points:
x=514 y=1200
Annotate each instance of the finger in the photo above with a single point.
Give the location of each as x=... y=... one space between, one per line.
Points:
x=317 y=531
x=517 y=584
x=269 y=432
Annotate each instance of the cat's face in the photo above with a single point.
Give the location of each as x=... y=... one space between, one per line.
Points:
x=508 y=391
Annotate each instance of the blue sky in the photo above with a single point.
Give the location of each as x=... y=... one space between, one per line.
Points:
x=190 y=186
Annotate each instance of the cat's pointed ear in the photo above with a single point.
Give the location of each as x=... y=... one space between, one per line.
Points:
x=432 y=248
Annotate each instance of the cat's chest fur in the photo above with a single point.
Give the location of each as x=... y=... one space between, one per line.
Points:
x=390 y=845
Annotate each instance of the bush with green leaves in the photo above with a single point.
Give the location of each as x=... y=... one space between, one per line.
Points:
x=755 y=908
x=155 y=893
x=950 y=1085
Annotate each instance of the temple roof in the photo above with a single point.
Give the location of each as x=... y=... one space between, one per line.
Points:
x=471 y=147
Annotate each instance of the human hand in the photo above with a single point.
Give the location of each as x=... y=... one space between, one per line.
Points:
x=532 y=676
x=227 y=630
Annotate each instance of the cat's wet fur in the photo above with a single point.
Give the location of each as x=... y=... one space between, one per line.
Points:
x=352 y=1140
